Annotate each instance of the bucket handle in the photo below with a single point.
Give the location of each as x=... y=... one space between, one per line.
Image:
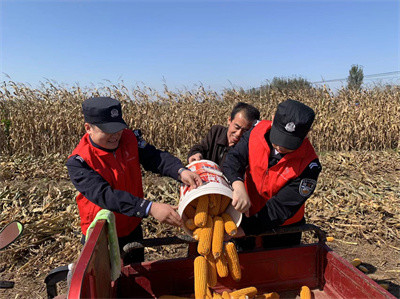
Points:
x=217 y=172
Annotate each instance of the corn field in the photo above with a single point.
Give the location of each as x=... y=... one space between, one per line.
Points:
x=356 y=134
x=49 y=120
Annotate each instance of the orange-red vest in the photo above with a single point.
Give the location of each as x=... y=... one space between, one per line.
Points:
x=120 y=169
x=263 y=183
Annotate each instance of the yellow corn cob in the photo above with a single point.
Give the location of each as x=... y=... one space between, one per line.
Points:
x=218 y=236
x=200 y=219
x=305 y=293
x=200 y=277
x=190 y=224
x=205 y=238
x=225 y=200
x=356 y=262
x=229 y=225
x=217 y=296
x=212 y=270
x=272 y=295
x=233 y=261
x=196 y=233
x=215 y=203
x=225 y=295
x=222 y=266
x=190 y=212
x=242 y=297
x=330 y=239
x=250 y=292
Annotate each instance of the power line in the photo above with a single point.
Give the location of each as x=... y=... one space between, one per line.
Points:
x=382 y=74
x=383 y=78
x=396 y=73
x=327 y=81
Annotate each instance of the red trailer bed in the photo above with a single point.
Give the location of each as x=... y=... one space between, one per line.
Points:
x=283 y=271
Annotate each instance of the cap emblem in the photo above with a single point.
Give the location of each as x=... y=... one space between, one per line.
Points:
x=114 y=113
x=290 y=127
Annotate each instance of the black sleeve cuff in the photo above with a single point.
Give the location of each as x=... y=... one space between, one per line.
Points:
x=141 y=209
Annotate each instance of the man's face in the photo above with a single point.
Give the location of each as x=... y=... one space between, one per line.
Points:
x=105 y=140
x=236 y=128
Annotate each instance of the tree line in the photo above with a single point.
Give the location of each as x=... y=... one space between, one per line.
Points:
x=354 y=82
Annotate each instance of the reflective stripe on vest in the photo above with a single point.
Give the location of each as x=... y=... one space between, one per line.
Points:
x=121 y=169
x=263 y=183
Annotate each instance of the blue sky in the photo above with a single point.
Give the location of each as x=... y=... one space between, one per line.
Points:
x=219 y=44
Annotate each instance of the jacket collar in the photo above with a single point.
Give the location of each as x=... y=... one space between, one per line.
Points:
x=223 y=138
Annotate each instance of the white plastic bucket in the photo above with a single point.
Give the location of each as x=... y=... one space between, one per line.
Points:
x=214 y=182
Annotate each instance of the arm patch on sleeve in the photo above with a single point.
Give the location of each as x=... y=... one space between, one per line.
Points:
x=307 y=186
x=141 y=142
x=79 y=158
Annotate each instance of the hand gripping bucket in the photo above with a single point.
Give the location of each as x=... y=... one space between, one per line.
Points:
x=214 y=182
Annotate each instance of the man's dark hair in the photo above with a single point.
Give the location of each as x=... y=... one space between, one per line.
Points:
x=250 y=112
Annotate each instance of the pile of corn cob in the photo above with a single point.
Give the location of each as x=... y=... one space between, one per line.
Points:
x=205 y=217
x=207 y=220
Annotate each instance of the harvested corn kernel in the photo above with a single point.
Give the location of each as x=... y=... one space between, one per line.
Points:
x=356 y=262
x=225 y=295
x=250 y=292
x=205 y=238
x=200 y=277
x=272 y=295
x=233 y=261
x=305 y=293
x=200 y=219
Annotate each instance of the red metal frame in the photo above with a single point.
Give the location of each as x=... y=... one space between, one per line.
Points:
x=282 y=270
x=343 y=278
x=91 y=277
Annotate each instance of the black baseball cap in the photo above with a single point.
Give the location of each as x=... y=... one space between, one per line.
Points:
x=292 y=122
x=105 y=113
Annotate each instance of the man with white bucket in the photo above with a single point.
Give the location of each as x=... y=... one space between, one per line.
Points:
x=273 y=170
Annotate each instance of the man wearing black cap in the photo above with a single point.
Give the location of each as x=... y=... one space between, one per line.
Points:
x=273 y=171
x=105 y=169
